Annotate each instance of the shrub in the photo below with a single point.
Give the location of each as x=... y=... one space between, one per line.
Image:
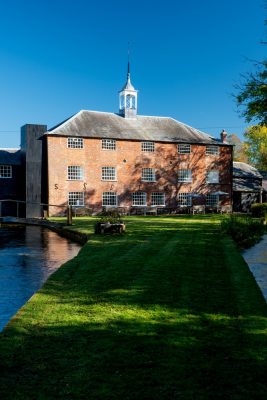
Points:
x=111 y=216
x=259 y=210
x=244 y=230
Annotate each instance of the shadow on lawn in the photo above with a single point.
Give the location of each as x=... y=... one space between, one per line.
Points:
x=191 y=357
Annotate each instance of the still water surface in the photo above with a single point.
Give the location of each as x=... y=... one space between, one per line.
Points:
x=28 y=256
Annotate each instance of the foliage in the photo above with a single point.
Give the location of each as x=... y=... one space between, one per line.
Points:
x=243 y=229
x=252 y=95
x=239 y=148
x=111 y=216
x=256 y=146
x=169 y=311
x=259 y=209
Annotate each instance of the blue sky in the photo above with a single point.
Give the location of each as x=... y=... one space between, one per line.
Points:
x=58 y=57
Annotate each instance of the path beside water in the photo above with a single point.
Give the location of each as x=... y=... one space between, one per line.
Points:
x=256 y=258
x=28 y=256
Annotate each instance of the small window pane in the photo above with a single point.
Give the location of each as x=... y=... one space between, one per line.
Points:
x=148 y=146
x=5 y=171
x=75 y=143
x=109 y=199
x=158 y=199
x=76 y=199
x=139 y=199
x=212 y=200
x=184 y=199
x=212 y=150
x=184 y=148
x=108 y=173
x=184 y=175
x=75 y=172
x=148 y=175
x=213 y=177
x=108 y=144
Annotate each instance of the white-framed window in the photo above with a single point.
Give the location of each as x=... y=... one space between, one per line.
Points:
x=109 y=199
x=184 y=199
x=148 y=175
x=108 y=144
x=212 y=150
x=76 y=199
x=184 y=175
x=148 y=147
x=184 y=148
x=213 y=176
x=139 y=199
x=75 y=173
x=109 y=174
x=212 y=200
x=75 y=143
x=157 y=199
x=5 y=171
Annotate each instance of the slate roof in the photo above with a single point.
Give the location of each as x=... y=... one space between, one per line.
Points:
x=109 y=125
x=246 y=178
x=10 y=156
x=241 y=169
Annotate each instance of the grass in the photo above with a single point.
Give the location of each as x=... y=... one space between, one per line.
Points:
x=167 y=311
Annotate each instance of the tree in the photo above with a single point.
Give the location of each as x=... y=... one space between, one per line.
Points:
x=239 y=148
x=252 y=95
x=256 y=146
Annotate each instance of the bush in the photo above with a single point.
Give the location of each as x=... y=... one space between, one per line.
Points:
x=259 y=210
x=111 y=216
x=244 y=230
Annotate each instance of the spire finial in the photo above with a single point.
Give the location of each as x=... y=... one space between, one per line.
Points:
x=128 y=71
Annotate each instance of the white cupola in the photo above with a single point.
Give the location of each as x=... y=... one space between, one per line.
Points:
x=128 y=98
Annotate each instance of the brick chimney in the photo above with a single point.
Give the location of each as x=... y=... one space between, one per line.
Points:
x=223 y=136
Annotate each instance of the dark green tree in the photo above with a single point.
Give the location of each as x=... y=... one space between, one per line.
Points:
x=252 y=96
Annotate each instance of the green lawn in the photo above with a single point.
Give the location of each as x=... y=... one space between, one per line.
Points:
x=167 y=311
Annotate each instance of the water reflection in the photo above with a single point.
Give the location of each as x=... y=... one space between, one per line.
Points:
x=28 y=256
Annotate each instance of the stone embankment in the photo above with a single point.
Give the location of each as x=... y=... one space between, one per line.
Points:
x=59 y=228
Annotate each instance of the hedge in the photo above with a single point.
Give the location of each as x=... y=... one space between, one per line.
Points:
x=259 y=209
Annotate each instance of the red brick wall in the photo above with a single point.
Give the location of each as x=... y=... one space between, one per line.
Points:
x=129 y=161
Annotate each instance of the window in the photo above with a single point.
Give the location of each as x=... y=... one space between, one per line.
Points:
x=109 y=199
x=109 y=174
x=212 y=200
x=76 y=199
x=213 y=176
x=158 y=199
x=108 y=144
x=184 y=148
x=212 y=150
x=148 y=146
x=139 y=199
x=184 y=175
x=75 y=173
x=148 y=175
x=5 y=171
x=184 y=199
x=75 y=143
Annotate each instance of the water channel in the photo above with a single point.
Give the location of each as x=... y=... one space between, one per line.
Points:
x=28 y=256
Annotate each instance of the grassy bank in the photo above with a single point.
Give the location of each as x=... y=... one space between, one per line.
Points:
x=167 y=311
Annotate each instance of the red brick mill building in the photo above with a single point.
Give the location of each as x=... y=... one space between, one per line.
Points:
x=100 y=159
